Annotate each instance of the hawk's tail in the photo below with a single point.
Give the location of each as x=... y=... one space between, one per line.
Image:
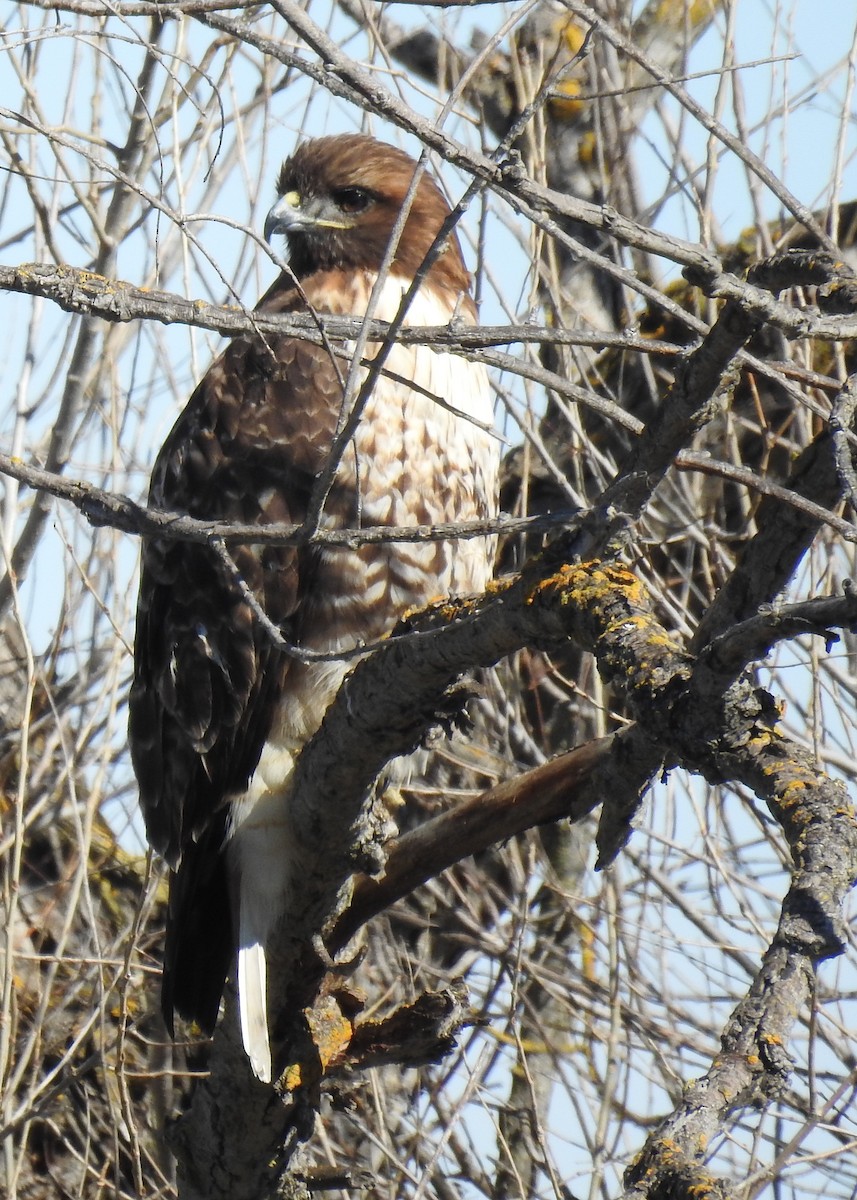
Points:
x=260 y=846
x=253 y=1004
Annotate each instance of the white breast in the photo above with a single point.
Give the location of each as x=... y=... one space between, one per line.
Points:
x=420 y=456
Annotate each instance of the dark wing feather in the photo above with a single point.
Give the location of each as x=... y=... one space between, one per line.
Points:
x=207 y=678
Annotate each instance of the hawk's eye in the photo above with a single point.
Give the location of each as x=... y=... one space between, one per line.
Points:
x=352 y=200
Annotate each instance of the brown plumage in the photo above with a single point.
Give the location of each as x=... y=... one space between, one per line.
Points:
x=217 y=713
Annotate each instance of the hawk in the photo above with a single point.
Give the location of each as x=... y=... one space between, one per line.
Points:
x=218 y=712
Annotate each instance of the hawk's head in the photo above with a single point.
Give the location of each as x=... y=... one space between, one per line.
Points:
x=339 y=198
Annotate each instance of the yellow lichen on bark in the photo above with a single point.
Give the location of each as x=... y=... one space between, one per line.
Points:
x=331 y=1033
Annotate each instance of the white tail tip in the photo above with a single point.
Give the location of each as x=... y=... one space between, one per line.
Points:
x=253 y=1006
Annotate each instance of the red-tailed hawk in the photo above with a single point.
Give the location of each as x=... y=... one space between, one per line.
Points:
x=218 y=714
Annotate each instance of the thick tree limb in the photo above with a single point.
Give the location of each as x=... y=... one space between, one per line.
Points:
x=384 y=708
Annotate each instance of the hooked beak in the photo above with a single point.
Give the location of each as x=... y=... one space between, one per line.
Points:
x=285 y=216
x=293 y=213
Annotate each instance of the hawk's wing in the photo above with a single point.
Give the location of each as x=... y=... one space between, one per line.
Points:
x=207 y=677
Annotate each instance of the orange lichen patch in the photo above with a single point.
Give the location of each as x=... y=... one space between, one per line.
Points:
x=91 y=281
x=760 y=742
x=657 y=638
x=559 y=581
x=705 y=1187
x=291 y=1080
x=669 y=1149
x=626 y=622
x=792 y=789
x=589 y=581
x=617 y=619
x=788 y=792
x=447 y=608
x=331 y=1032
x=795 y=777
x=450 y=610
